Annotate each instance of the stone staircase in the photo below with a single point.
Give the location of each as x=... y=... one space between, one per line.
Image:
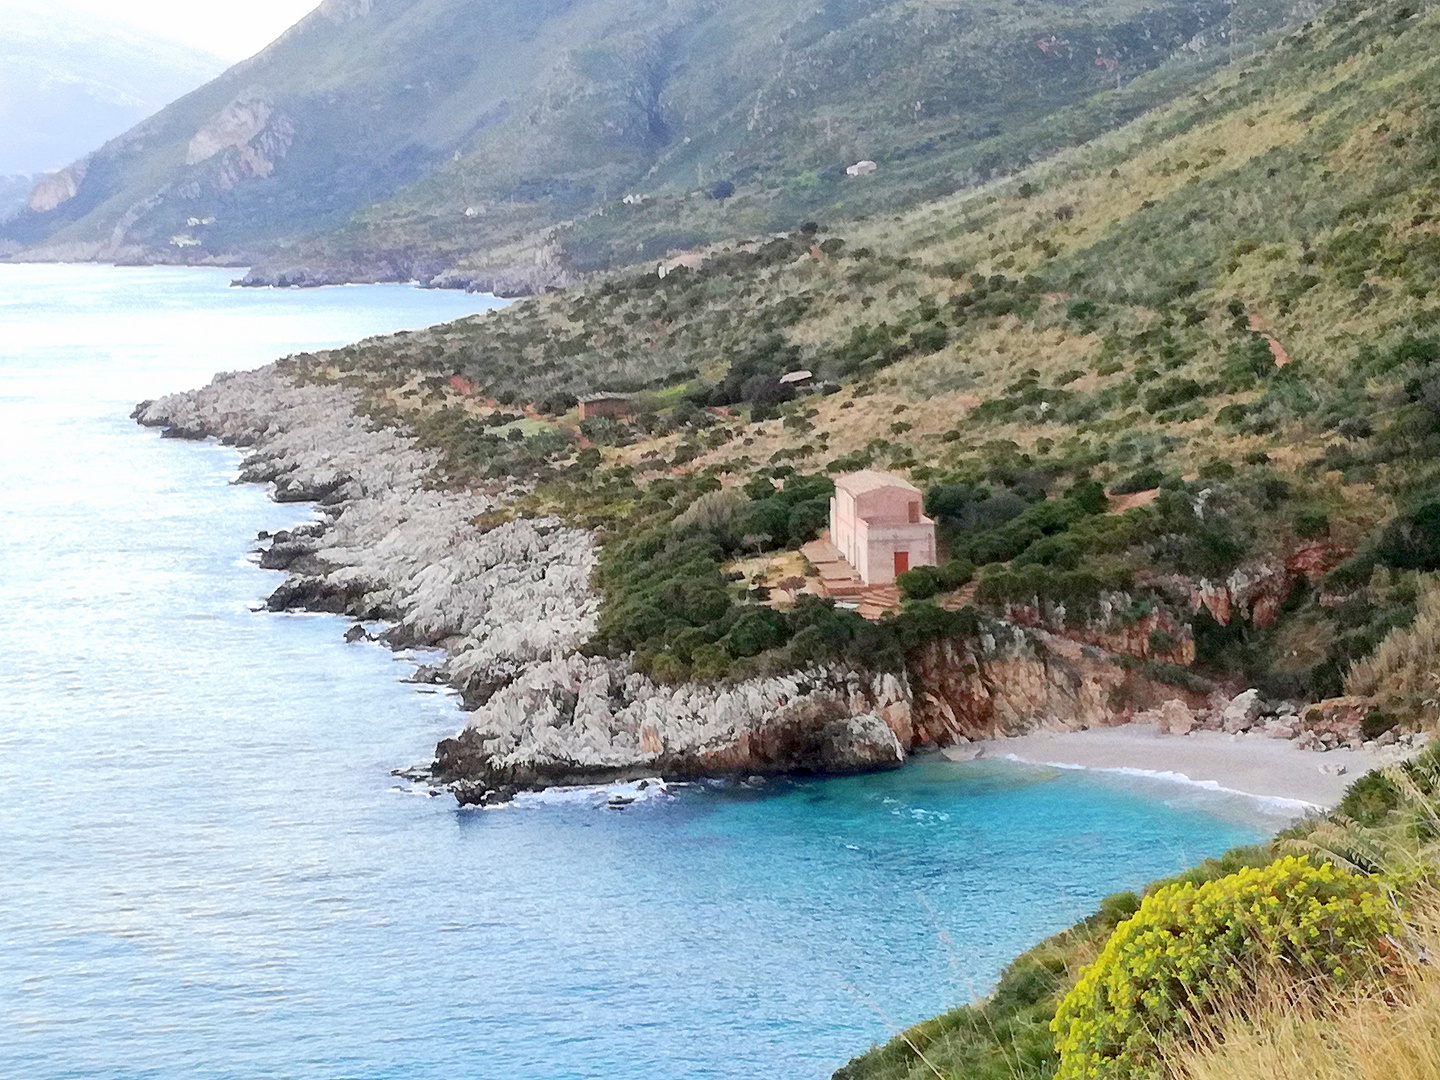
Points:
x=878 y=600
x=839 y=580
x=958 y=599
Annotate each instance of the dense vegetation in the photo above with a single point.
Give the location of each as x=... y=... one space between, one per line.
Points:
x=1192 y=951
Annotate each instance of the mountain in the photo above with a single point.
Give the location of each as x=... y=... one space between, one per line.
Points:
x=496 y=142
x=1174 y=399
x=69 y=81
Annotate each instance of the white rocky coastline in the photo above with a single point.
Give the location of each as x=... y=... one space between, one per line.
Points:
x=511 y=606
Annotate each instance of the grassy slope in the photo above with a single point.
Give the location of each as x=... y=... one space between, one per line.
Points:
x=540 y=114
x=1091 y=320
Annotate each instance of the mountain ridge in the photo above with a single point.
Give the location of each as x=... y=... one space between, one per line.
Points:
x=415 y=140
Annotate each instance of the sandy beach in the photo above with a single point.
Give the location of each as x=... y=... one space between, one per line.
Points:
x=1250 y=764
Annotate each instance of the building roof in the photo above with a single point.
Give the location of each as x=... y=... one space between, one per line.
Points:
x=592 y=398
x=796 y=376
x=858 y=483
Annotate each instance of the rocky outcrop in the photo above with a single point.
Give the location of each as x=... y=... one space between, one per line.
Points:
x=56 y=189
x=1256 y=592
x=1117 y=624
x=511 y=606
x=580 y=720
x=250 y=135
x=389 y=546
x=1010 y=679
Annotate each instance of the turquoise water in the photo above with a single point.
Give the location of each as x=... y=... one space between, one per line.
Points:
x=208 y=870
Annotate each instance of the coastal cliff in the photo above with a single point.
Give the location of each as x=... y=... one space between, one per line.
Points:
x=512 y=607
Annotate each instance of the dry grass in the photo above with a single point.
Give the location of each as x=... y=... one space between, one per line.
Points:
x=1404 y=672
x=1389 y=1036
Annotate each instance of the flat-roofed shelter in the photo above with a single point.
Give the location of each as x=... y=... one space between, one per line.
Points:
x=878 y=526
x=613 y=405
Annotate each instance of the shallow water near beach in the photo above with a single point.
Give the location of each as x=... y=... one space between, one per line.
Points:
x=207 y=870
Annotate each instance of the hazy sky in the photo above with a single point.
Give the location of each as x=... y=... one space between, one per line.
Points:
x=230 y=30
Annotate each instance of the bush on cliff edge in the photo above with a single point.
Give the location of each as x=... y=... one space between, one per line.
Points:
x=1191 y=952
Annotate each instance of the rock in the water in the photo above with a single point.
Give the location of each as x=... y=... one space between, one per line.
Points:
x=356 y=633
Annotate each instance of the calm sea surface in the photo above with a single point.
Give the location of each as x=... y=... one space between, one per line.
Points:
x=206 y=869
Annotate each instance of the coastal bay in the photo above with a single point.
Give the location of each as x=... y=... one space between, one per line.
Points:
x=245 y=887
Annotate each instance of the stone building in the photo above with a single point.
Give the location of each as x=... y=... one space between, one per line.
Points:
x=612 y=405
x=877 y=525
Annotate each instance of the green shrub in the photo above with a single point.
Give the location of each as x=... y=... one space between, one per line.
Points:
x=709 y=662
x=1376 y=723
x=1162 y=641
x=755 y=630
x=956 y=574
x=1412 y=540
x=929 y=338
x=1173 y=393
x=806 y=521
x=770 y=518
x=1191 y=950
x=1146 y=479
x=668 y=668
x=921 y=583
x=1373 y=797
x=1310 y=525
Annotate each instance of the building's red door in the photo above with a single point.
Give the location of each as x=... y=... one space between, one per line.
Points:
x=902 y=562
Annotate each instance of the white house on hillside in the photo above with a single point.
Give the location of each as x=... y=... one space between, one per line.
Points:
x=877 y=525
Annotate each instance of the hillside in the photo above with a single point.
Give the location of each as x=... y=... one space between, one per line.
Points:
x=482 y=144
x=70 y=81
x=1222 y=314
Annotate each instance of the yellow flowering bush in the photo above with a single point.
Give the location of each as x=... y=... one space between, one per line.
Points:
x=1189 y=950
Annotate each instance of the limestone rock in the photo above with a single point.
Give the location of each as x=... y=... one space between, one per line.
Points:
x=57 y=189
x=1175 y=718
x=1016 y=679
x=1241 y=712
x=1283 y=727
x=511 y=605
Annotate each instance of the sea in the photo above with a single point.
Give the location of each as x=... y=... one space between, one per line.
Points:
x=208 y=870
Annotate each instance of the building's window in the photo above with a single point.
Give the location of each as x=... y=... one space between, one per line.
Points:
x=914 y=513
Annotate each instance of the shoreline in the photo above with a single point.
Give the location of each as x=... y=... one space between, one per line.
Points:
x=1249 y=764
x=510 y=607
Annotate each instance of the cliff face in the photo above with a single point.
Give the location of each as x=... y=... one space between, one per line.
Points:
x=578 y=720
x=1010 y=680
